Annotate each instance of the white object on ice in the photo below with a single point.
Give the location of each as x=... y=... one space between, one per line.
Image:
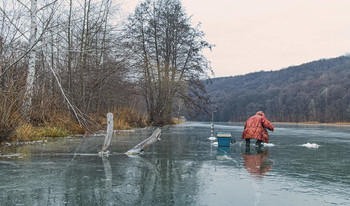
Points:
x=214 y=143
x=212 y=138
x=310 y=145
x=268 y=145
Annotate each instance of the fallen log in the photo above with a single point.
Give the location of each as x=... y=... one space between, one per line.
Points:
x=145 y=143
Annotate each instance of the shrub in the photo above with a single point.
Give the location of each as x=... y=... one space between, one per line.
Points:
x=128 y=118
x=9 y=114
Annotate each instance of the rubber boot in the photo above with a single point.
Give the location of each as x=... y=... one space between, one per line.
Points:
x=258 y=143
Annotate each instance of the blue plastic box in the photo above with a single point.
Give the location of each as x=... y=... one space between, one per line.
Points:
x=224 y=138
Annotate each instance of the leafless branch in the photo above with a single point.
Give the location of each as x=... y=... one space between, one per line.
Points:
x=11 y=22
x=31 y=48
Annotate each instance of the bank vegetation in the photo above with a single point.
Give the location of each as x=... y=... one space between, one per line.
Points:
x=64 y=65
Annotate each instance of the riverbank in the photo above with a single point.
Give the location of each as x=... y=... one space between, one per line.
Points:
x=62 y=124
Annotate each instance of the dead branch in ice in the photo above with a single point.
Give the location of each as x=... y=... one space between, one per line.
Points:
x=145 y=143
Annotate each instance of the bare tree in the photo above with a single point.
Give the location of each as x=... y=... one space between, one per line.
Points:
x=31 y=51
x=168 y=57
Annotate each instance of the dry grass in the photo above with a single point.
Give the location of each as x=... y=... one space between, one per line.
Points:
x=125 y=118
x=63 y=119
x=53 y=124
x=128 y=118
x=27 y=132
x=50 y=121
x=176 y=120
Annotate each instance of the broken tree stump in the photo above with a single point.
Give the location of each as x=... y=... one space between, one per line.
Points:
x=108 y=137
x=145 y=143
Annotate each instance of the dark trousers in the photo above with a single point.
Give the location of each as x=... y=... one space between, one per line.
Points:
x=257 y=143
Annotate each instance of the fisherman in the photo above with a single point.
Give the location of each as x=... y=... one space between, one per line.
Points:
x=256 y=128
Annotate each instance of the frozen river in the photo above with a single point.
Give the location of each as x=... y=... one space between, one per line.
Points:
x=302 y=165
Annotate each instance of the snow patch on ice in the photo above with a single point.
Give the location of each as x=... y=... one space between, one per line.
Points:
x=268 y=145
x=310 y=145
x=212 y=138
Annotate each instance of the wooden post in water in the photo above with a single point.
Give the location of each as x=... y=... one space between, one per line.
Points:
x=145 y=143
x=108 y=137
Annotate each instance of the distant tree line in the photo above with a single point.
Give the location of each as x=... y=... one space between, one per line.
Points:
x=83 y=58
x=316 y=91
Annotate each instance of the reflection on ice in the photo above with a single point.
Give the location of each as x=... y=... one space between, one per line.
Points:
x=9 y=163
x=223 y=157
x=224 y=153
x=108 y=181
x=17 y=155
x=257 y=164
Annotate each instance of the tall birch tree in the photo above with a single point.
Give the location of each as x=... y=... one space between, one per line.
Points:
x=28 y=95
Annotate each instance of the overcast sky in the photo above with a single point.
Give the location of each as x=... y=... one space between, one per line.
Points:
x=255 y=35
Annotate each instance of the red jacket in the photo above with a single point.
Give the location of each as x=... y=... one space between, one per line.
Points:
x=256 y=127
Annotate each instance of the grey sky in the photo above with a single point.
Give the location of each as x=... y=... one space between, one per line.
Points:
x=255 y=35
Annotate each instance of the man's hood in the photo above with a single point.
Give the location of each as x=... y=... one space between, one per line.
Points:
x=261 y=113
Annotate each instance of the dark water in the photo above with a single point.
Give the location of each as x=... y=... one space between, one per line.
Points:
x=184 y=168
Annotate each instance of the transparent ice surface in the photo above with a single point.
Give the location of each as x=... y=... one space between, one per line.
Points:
x=184 y=168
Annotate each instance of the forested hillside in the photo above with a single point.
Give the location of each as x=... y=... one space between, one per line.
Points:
x=315 y=91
